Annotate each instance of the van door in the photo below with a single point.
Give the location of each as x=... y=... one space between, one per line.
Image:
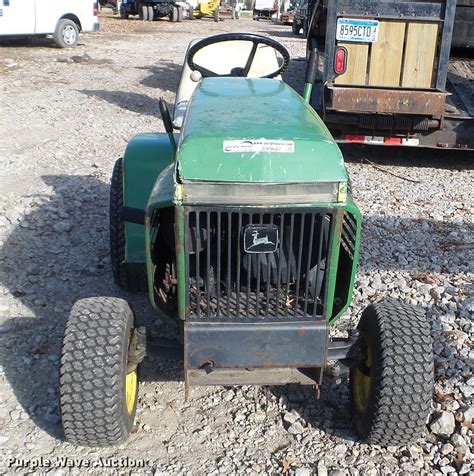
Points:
x=48 y=13
x=17 y=17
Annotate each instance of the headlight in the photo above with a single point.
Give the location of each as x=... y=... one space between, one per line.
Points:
x=262 y=194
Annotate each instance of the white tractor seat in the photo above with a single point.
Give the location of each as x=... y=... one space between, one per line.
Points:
x=222 y=58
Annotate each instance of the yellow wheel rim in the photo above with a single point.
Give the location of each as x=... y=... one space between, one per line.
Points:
x=363 y=383
x=131 y=382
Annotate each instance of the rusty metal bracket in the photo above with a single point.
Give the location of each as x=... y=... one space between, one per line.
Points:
x=388 y=101
x=348 y=351
x=136 y=348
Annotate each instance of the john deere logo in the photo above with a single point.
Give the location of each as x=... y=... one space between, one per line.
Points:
x=260 y=238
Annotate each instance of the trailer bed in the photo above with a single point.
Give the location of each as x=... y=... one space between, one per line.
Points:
x=458 y=124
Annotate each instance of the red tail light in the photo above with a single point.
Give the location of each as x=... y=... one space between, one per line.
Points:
x=96 y=8
x=340 y=61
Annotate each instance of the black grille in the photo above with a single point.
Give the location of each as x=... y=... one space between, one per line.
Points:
x=348 y=235
x=227 y=283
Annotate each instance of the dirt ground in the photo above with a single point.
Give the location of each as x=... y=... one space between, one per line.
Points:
x=66 y=116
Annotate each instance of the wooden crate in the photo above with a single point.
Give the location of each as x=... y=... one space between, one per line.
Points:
x=403 y=55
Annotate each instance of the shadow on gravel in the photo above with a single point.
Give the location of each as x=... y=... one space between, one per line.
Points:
x=30 y=42
x=164 y=76
x=330 y=412
x=136 y=102
x=58 y=252
x=404 y=156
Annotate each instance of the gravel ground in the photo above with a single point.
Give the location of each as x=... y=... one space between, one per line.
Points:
x=66 y=117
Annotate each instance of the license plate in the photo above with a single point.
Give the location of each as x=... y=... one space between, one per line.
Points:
x=352 y=29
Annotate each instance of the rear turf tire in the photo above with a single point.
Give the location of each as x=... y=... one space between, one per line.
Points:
x=305 y=28
x=129 y=277
x=98 y=399
x=392 y=389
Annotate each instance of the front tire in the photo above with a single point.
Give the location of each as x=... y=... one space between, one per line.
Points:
x=66 y=34
x=392 y=387
x=98 y=398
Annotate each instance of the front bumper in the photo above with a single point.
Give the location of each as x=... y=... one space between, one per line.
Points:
x=242 y=345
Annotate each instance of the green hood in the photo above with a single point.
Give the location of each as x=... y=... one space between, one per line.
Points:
x=257 y=115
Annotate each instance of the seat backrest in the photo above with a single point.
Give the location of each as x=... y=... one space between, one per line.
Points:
x=222 y=58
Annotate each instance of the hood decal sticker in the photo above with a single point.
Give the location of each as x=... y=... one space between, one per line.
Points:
x=259 y=145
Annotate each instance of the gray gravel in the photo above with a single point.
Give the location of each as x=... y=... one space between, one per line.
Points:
x=66 y=116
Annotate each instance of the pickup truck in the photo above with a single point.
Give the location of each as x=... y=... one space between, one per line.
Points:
x=265 y=9
x=63 y=19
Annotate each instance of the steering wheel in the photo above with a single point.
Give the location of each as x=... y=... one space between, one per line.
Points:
x=256 y=40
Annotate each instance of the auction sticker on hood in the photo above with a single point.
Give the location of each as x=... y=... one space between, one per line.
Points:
x=259 y=145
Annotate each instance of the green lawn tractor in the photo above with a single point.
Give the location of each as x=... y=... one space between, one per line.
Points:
x=239 y=223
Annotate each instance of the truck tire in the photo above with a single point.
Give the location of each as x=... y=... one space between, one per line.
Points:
x=180 y=14
x=391 y=389
x=130 y=278
x=174 y=15
x=143 y=12
x=123 y=12
x=191 y=13
x=151 y=14
x=98 y=398
x=66 y=34
x=216 y=14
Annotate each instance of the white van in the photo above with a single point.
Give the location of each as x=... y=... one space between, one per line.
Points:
x=64 y=19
